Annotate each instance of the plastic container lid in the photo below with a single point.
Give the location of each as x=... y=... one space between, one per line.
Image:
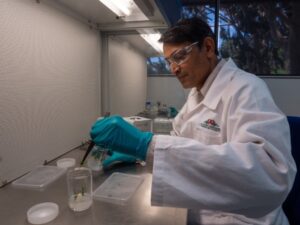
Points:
x=118 y=188
x=42 y=213
x=39 y=177
x=66 y=162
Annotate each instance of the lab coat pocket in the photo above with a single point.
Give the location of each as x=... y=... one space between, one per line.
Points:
x=207 y=136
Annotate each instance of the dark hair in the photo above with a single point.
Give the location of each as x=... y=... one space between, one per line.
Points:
x=188 y=30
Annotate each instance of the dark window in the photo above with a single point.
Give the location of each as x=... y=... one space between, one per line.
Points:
x=256 y=36
x=157 y=66
x=260 y=36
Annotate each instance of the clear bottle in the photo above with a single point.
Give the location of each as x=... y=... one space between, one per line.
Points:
x=95 y=159
x=80 y=185
x=153 y=111
x=147 y=106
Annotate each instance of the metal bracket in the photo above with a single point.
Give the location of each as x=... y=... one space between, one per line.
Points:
x=90 y=24
x=133 y=25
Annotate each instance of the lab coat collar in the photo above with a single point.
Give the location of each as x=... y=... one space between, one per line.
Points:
x=215 y=92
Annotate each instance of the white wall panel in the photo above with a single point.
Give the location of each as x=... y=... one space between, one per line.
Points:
x=49 y=84
x=286 y=94
x=168 y=90
x=127 y=79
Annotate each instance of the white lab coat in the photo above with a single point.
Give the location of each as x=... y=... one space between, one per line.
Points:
x=230 y=158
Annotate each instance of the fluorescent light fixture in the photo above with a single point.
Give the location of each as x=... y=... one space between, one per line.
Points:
x=125 y=9
x=119 y=7
x=152 y=38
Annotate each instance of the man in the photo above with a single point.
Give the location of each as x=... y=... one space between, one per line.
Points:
x=228 y=159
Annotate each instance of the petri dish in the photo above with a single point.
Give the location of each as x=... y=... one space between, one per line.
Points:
x=66 y=162
x=42 y=213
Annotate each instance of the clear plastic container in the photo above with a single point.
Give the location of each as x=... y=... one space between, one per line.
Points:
x=118 y=188
x=142 y=123
x=94 y=161
x=162 y=125
x=95 y=165
x=39 y=177
x=80 y=185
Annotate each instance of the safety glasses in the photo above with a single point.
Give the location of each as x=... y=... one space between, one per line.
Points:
x=181 y=55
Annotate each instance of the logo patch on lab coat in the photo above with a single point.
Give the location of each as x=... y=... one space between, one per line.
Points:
x=211 y=125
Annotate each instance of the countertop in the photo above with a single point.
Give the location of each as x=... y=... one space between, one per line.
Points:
x=14 y=202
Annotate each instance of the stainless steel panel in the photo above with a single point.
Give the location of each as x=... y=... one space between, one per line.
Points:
x=15 y=202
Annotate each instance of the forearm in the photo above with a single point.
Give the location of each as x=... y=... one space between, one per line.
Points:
x=227 y=177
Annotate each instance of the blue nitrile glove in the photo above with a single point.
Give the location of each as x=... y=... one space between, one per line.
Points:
x=115 y=133
x=115 y=157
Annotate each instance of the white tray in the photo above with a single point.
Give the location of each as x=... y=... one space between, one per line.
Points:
x=118 y=188
x=39 y=177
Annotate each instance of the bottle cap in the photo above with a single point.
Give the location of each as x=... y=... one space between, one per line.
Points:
x=66 y=162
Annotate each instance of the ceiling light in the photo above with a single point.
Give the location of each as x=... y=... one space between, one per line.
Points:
x=125 y=9
x=152 y=38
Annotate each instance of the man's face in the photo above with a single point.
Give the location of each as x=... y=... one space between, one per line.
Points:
x=188 y=63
